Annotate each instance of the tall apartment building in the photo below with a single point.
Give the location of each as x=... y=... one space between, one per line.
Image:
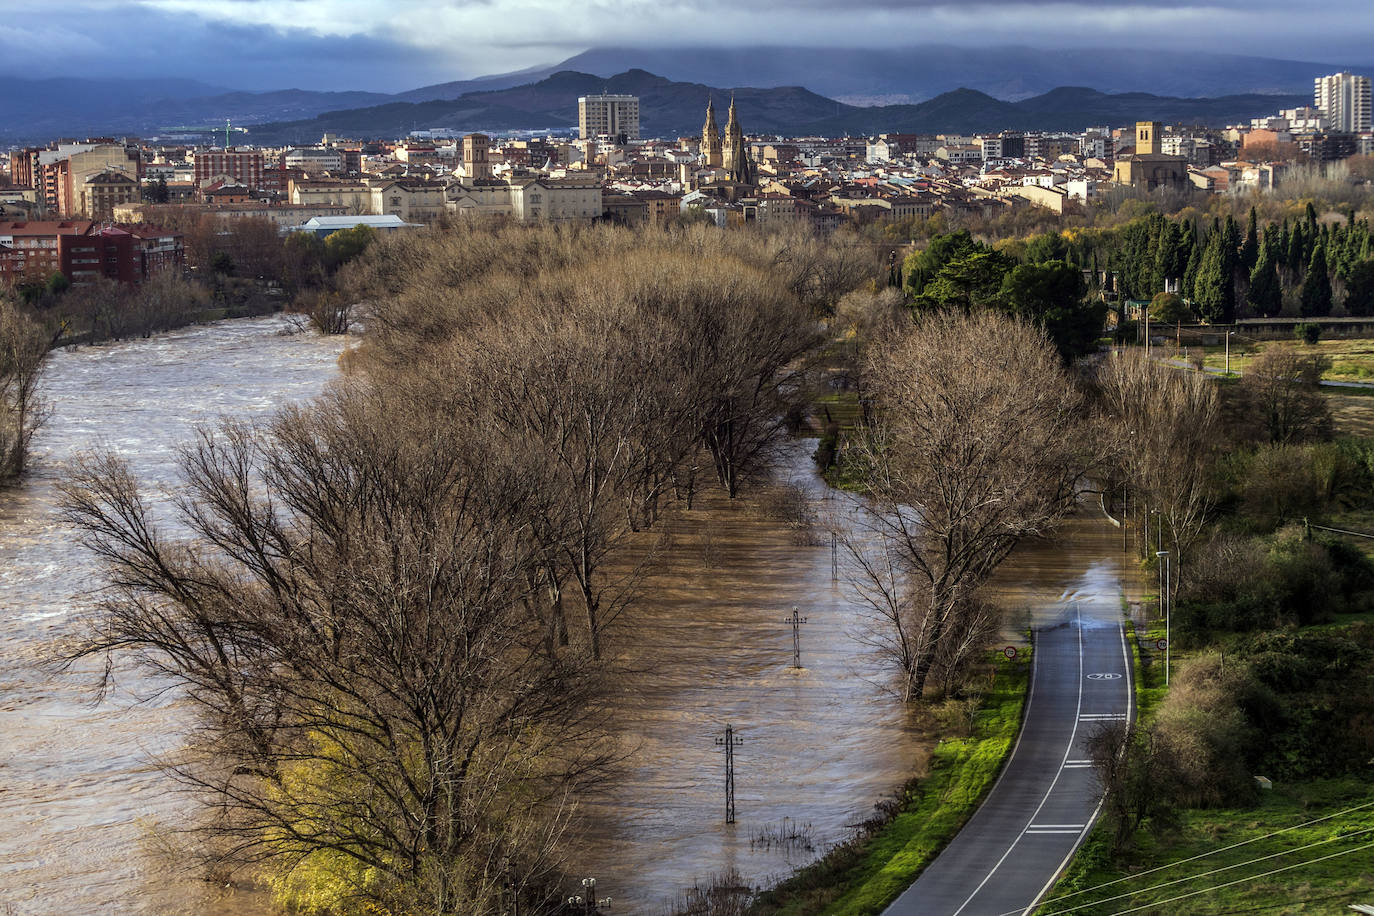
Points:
x=59 y=174
x=1344 y=97
x=608 y=116
x=243 y=165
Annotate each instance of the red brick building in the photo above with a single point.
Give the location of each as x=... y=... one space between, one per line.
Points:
x=82 y=250
x=243 y=165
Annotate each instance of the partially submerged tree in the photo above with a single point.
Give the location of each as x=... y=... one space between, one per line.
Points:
x=971 y=450
x=376 y=710
x=23 y=350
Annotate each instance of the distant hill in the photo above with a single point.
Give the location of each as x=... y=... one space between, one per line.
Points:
x=666 y=108
x=920 y=72
x=39 y=110
x=1065 y=108
x=922 y=87
x=669 y=108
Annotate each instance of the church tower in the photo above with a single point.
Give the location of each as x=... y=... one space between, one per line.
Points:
x=710 y=137
x=736 y=155
x=734 y=142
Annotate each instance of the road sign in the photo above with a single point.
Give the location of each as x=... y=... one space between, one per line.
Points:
x=1010 y=652
x=1161 y=644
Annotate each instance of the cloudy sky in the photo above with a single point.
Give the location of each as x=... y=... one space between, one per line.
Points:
x=391 y=45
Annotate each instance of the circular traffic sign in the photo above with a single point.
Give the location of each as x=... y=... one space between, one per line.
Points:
x=1161 y=644
x=1010 y=652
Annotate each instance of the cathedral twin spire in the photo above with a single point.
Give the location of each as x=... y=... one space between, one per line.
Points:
x=729 y=152
x=710 y=137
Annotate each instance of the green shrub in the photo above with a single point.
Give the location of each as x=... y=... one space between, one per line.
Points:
x=1308 y=332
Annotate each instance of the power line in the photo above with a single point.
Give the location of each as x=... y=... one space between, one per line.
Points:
x=1201 y=855
x=1343 y=895
x=1205 y=874
x=1264 y=874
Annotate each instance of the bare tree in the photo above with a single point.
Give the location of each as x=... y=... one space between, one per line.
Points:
x=972 y=449
x=23 y=351
x=164 y=302
x=1282 y=387
x=1163 y=434
x=346 y=621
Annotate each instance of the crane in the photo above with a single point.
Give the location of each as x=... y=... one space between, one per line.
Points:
x=205 y=129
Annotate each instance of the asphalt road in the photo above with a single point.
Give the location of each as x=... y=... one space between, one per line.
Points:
x=1040 y=809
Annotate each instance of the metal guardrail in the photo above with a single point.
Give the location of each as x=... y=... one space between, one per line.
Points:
x=1359 y=534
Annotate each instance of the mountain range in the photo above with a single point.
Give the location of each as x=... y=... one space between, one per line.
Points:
x=668 y=109
x=885 y=83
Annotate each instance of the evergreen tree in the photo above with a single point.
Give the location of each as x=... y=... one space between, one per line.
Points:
x=1266 y=294
x=1194 y=262
x=1293 y=257
x=1359 y=298
x=1316 y=287
x=1230 y=266
x=1249 y=251
x=1166 y=256
x=1212 y=288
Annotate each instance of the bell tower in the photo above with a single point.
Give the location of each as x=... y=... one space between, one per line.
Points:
x=710 y=138
x=1147 y=138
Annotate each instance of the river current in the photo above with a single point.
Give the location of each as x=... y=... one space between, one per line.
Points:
x=85 y=813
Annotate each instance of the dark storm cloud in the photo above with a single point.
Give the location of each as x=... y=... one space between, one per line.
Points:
x=133 y=41
x=399 y=44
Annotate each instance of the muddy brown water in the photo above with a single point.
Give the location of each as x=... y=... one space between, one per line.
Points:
x=821 y=744
x=84 y=809
x=82 y=805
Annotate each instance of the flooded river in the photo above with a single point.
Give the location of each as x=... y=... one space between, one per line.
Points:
x=82 y=803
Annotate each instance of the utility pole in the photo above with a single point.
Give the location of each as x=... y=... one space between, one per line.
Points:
x=729 y=742
x=1163 y=557
x=796 y=620
x=834 y=557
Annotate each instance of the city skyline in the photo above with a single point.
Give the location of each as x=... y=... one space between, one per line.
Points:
x=357 y=45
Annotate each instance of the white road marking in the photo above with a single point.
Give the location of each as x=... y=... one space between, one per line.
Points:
x=1073 y=736
x=1130 y=713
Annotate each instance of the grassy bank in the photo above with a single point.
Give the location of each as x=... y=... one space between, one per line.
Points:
x=1352 y=360
x=864 y=875
x=1214 y=860
x=1096 y=885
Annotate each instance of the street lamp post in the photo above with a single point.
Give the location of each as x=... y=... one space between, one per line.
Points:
x=586 y=901
x=1228 y=352
x=1163 y=555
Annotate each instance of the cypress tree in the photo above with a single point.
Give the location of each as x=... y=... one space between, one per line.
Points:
x=1211 y=286
x=1359 y=298
x=1166 y=255
x=1266 y=295
x=1230 y=263
x=1249 y=251
x=1316 y=287
x=1194 y=262
x=1293 y=259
